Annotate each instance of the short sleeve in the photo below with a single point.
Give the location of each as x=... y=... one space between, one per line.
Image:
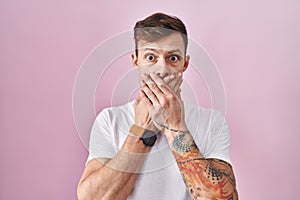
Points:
x=101 y=137
x=221 y=144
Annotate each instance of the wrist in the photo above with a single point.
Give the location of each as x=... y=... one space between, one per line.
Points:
x=177 y=125
x=134 y=144
x=148 y=126
x=174 y=128
x=147 y=136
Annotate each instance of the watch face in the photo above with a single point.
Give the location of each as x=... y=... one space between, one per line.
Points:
x=149 y=138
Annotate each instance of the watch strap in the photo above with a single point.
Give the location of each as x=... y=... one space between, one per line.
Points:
x=137 y=130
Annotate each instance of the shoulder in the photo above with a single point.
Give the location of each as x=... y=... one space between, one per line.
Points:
x=116 y=112
x=205 y=122
x=202 y=113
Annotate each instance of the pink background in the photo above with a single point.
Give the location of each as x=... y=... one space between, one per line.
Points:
x=255 y=45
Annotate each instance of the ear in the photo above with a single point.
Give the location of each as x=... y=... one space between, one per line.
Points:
x=134 y=60
x=186 y=63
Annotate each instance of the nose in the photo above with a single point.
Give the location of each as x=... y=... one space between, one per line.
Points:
x=163 y=71
x=162 y=68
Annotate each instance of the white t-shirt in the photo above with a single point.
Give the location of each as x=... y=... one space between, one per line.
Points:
x=160 y=178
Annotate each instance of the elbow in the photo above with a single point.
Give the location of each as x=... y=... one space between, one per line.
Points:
x=83 y=192
x=231 y=193
x=86 y=190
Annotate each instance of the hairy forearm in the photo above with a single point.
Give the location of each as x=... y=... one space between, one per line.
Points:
x=204 y=178
x=116 y=178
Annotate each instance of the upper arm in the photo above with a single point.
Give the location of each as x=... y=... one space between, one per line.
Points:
x=101 y=148
x=101 y=138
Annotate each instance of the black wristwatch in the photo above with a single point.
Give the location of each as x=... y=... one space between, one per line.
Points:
x=147 y=136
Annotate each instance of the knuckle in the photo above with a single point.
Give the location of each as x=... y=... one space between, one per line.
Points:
x=146 y=101
x=172 y=97
x=164 y=87
x=136 y=102
x=164 y=102
x=154 y=86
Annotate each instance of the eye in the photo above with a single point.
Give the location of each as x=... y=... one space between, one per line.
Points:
x=173 y=58
x=150 y=57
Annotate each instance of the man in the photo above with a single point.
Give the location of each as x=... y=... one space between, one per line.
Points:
x=157 y=147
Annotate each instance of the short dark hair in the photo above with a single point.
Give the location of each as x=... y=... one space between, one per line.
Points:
x=157 y=26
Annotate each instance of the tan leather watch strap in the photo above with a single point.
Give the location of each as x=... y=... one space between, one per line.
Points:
x=137 y=130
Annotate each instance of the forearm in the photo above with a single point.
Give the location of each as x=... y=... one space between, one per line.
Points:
x=204 y=178
x=198 y=173
x=116 y=178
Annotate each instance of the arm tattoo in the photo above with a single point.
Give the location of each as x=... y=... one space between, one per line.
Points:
x=183 y=143
x=208 y=178
x=204 y=178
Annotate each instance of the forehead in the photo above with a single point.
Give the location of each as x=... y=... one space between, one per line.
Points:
x=168 y=43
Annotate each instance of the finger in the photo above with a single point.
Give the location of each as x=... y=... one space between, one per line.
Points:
x=169 y=78
x=140 y=96
x=156 y=79
x=155 y=88
x=162 y=88
x=149 y=94
x=153 y=85
x=173 y=83
x=177 y=86
x=145 y=99
x=147 y=79
x=178 y=93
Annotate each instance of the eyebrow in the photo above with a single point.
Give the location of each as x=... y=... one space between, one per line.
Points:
x=150 y=49
x=172 y=51
x=175 y=51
